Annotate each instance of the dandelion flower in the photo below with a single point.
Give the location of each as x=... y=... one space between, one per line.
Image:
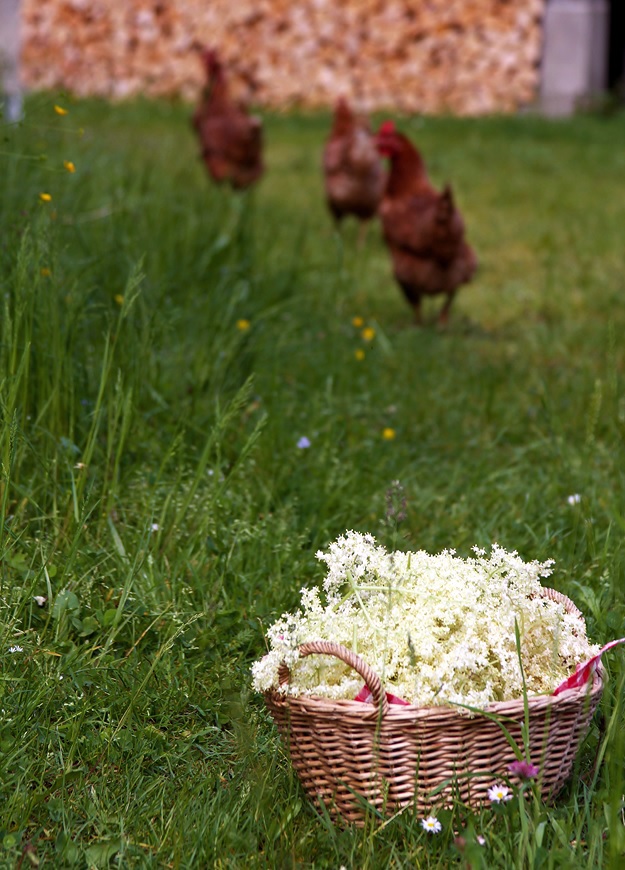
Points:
x=431 y=825
x=357 y=322
x=69 y=166
x=45 y=272
x=574 y=499
x=303 y=443
x=45 y=197
x=368 y=333
x=60 y=110
x=243 y=325
x=119 y=298
x=388 y=434
x=359 y=354
x=499 y=794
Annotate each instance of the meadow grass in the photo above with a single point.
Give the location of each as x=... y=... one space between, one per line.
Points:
x=164 y=345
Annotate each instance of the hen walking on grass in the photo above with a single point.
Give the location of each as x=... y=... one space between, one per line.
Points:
x=353 y=172
x=231 y=140
x=423 y=229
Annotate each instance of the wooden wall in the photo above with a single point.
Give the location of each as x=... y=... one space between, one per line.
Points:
x=467 y=57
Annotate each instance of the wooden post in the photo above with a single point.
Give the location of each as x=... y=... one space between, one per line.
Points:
x=575 y=54
x=10 y=87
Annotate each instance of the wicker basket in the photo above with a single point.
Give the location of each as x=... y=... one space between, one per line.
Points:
x=352 y=756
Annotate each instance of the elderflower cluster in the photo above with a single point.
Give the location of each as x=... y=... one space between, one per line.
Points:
x=437 y=629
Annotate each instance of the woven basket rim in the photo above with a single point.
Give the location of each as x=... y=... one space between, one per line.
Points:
x=510 y=707
x=401 y=711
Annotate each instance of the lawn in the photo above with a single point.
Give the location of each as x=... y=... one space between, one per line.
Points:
x=164 y=346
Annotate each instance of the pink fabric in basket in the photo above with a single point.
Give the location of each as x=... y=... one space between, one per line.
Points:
x=583 y=673
x=366 y=697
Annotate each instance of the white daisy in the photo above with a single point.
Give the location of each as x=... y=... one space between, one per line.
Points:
x=498 y=794
x=431 y=824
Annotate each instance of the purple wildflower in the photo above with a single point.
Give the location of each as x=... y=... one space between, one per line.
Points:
x=303 y=443
x=523 y=769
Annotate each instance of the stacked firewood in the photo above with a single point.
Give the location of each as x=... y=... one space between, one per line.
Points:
x=465 y=57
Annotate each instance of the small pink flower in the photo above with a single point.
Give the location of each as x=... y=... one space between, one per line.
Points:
x=523 y=769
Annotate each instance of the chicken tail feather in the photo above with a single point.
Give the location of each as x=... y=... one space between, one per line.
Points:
x=446 y=206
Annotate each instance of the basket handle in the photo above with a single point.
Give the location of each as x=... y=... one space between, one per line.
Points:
x=326 y=647
x=561 y=598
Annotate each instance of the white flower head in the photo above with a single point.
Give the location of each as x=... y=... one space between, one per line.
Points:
x=498 y=794
x=15 y=649
x=574 y=499
x=438 y=629
x=431 y=825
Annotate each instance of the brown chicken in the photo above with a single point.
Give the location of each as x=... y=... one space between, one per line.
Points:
x=423 y=228
x=231 y=140
x=353 y=172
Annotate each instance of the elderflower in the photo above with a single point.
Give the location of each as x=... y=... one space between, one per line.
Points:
x=437 y=629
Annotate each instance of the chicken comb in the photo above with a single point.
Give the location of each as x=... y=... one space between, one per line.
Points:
x=211 y=58
x=387 y=128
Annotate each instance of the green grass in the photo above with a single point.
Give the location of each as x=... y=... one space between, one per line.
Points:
x=153 y=492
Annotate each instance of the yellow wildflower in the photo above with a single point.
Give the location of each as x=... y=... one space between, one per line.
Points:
x=357 y=322
x=388 y=434
x=45 y=197
x=60 y=110
x=368 y=333
x=243 y=325
x=69 y=166
x=45 y=272
x=359 y=354
x=119 y=298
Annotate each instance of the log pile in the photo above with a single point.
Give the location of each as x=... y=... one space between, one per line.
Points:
x=465 y=57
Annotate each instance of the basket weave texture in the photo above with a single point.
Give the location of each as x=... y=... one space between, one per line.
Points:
x=349 y=754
